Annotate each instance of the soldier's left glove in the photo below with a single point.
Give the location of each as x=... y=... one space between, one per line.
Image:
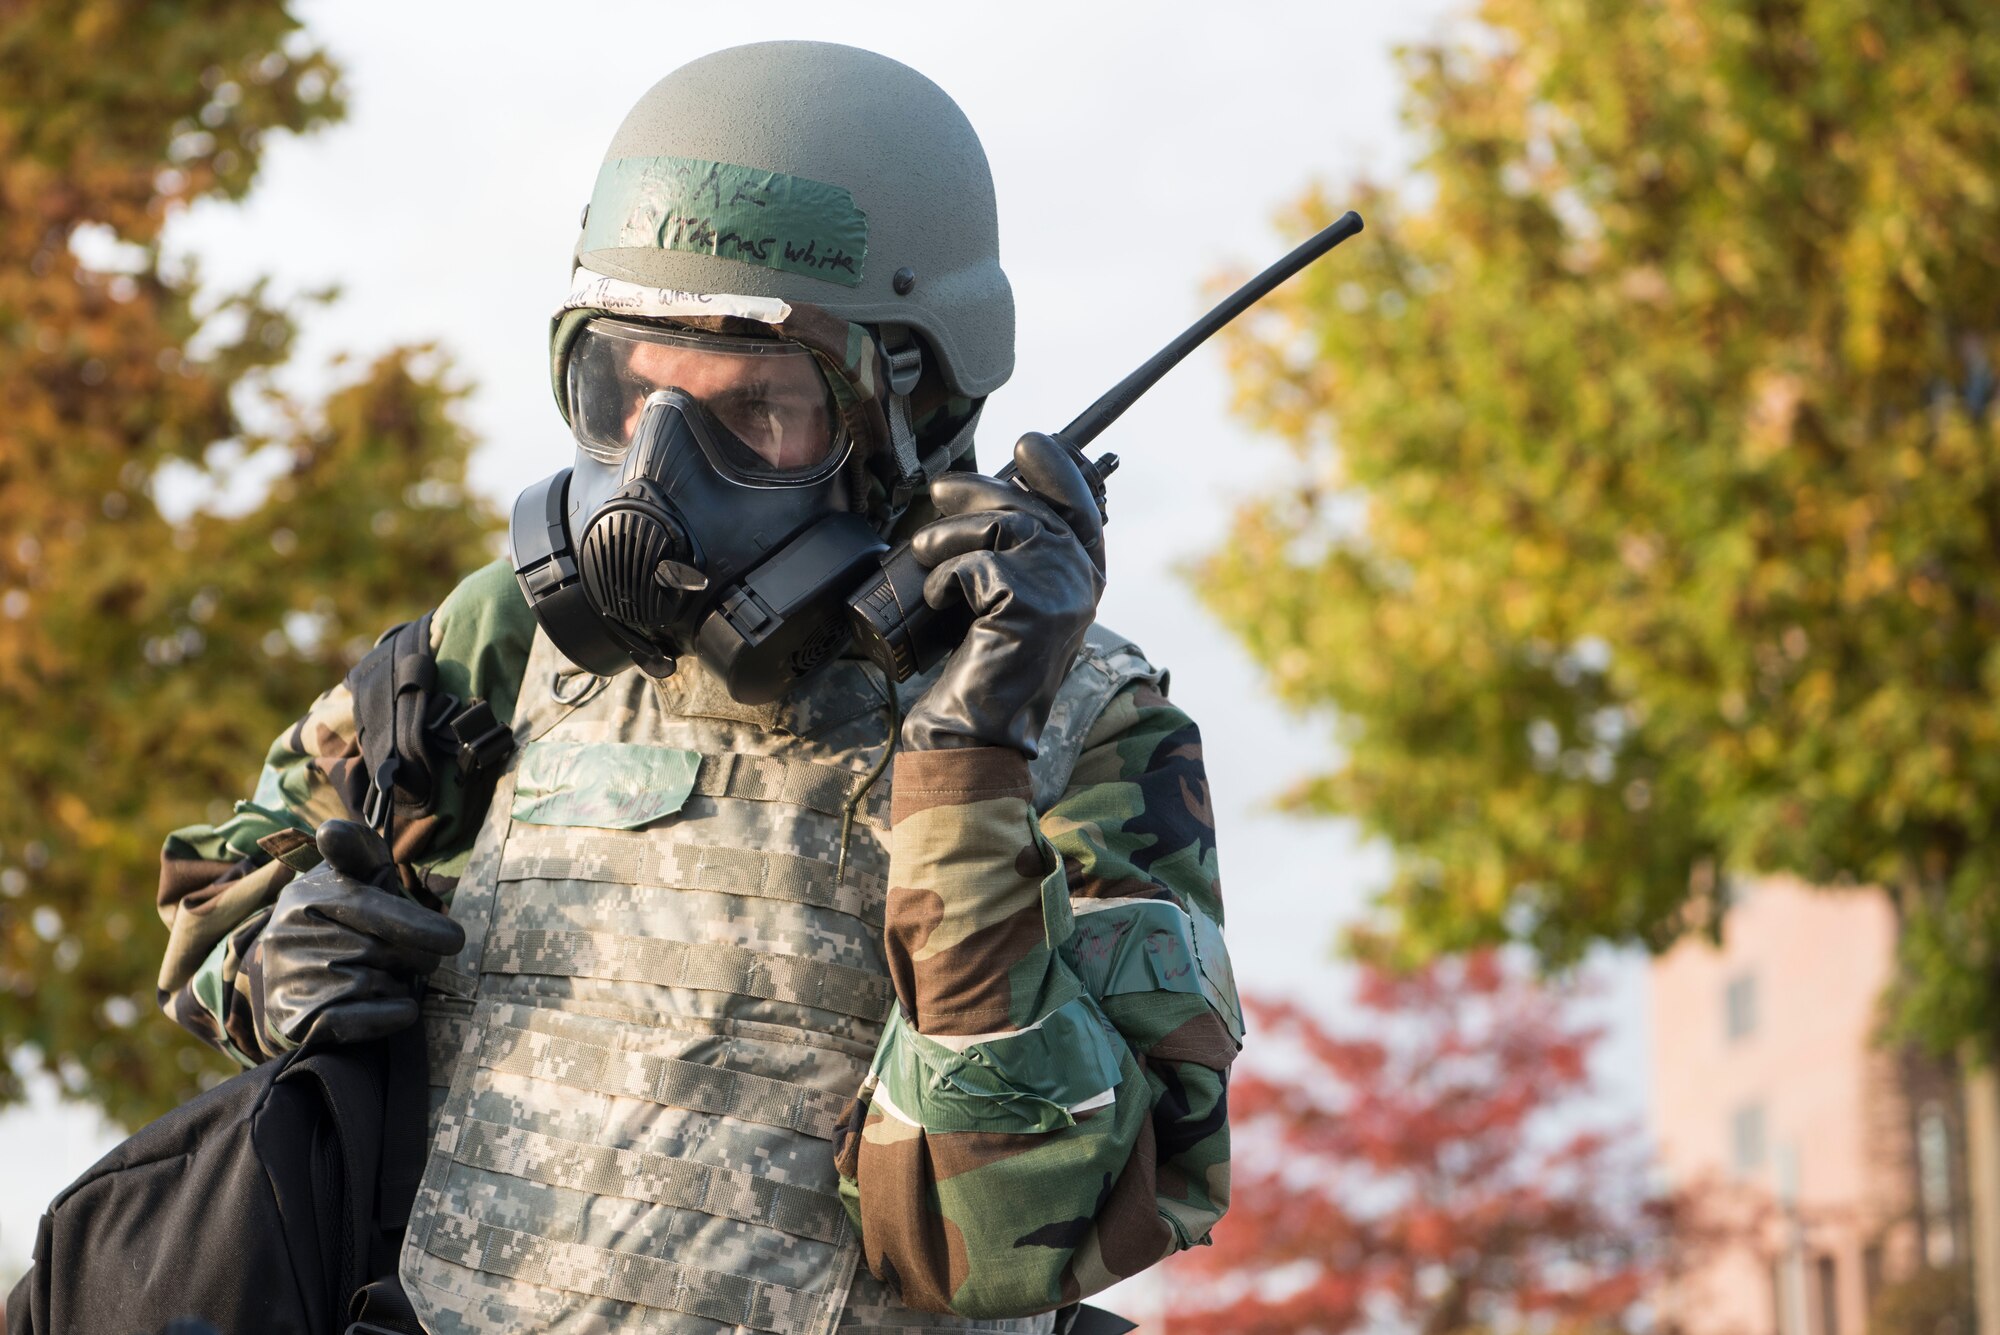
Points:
x=1030 y=564
x=343 y=955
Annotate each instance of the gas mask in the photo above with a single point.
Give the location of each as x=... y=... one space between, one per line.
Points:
x=706 y=512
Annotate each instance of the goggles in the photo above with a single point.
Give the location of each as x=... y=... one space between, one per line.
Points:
x=773 y=416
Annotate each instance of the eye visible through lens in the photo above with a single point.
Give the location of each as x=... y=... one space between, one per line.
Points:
x=785 y=425
x=775 y=403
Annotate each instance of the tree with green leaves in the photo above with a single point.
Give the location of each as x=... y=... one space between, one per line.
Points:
x=149 y=655
x=1646 y=527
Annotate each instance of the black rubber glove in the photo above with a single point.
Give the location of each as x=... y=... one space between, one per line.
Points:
x=1030 y=564
x=342 y=957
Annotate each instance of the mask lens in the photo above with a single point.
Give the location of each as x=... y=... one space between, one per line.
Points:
x=774 y=411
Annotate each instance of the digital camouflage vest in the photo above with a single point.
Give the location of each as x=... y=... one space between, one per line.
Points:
x=673 y=982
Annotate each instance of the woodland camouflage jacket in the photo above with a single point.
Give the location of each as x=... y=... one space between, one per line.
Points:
x=994 y=929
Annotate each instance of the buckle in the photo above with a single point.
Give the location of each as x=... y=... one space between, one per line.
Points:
x=475 y=740
x=904 y=357
x=376 y=806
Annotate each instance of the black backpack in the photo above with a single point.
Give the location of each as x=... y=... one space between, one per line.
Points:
x=274 y=1204
x=261 y=1207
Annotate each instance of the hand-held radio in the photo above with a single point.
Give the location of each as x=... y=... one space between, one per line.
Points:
x=905 y=635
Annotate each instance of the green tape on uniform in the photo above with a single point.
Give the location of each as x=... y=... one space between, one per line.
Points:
x=1022 y=1083
x=606 y=785
x=1153 y=945
x=769 y=219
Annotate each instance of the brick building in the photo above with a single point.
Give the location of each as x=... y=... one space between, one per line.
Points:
x=1770 y=1075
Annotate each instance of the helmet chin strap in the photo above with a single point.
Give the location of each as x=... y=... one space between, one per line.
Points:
x=914 y=471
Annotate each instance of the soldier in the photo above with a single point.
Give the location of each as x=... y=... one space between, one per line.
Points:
x=790 y=1016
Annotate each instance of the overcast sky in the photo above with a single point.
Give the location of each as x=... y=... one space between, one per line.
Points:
x=1137 y=150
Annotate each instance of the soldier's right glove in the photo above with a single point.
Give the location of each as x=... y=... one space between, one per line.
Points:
x=342 y=957
x=1030 y=564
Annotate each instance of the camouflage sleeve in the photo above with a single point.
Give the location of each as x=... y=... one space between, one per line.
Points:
x=217 y=882
x=1046 y=1113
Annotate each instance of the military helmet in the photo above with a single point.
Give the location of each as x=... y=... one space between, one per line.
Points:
x=816 y=174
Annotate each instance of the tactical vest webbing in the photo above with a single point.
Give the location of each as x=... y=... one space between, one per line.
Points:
x=641 y=1053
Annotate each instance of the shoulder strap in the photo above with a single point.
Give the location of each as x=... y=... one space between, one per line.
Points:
x=1106 y=665
x=404 y=724
x=374 y=1096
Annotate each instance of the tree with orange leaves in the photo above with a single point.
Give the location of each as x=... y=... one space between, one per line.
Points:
x=1431 y=1176
x=148 y=655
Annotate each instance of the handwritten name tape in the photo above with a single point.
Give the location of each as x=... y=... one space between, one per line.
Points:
x=769 y=219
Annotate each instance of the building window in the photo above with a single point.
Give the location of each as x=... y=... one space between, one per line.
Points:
x=1829 y=1297
x=1746 y=1139
x=1934 y=1184
x=1872 y=1276
x=1739 y=1007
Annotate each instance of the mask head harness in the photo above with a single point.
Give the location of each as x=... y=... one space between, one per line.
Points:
x=736 y=471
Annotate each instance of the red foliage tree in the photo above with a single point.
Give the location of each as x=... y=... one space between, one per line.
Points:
x=1433 y=1176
